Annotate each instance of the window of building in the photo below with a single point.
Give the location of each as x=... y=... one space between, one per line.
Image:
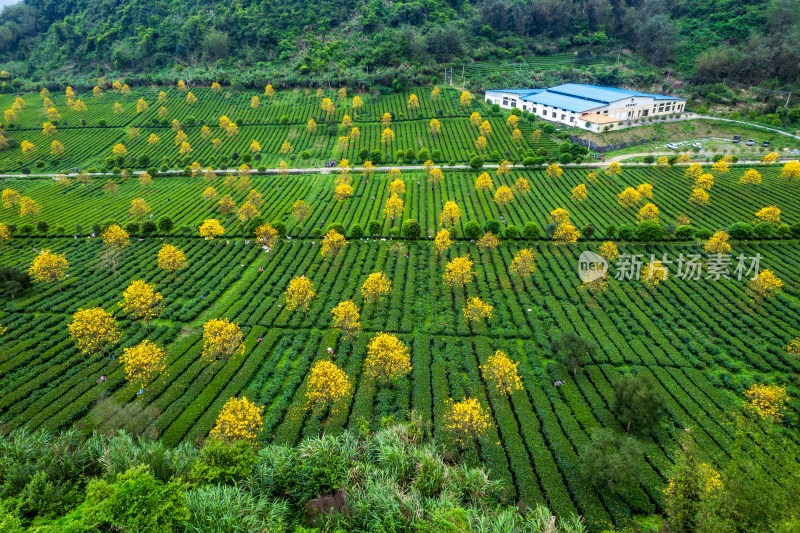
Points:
x=563 y=117
x=554 y=114
x=513 y=103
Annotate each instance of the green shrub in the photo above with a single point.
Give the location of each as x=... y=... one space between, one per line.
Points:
x=531 y=231
x=588 y=231
x=316 y=233
x=476 y=162
x=492 y=225
x=356 y=231
x=741 y=231
x=511 y=232
x=61 y=230
x=42 y=226
x=472 y=230
x=148 y=228
x=374 y=227
x=26 y=229
x=336 y=226
x=684 y=233
x=411 y=229
x=222 y=462
x=796 y=229
x=763 y=230
x=132 y=228
x=704 y=234
x=108 y=223
x=253 y=224
x=136 y=502
x=279 y=226
x=649 y=159
x=783 y=230
x=649 y=231
x=626 y=232
x=165 y=224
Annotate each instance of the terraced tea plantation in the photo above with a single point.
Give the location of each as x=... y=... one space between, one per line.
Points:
x=88 y=137
x=704 y=342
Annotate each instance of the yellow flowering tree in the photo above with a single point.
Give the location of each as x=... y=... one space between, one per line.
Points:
x=328 y=385
x=700 y=197
x=559 y=215
x=342 y=191
x=608 y=251
x=332 y=244
x=769 y=158
x=375 y=287
x=222 y=339
x=693 y=171
x=239 y=419
x=93 y=330
x=387 y=359
x=139 y=207
x=143 y=363
x=347 y=318
x=475 y=119
x=721 y=167
x=435 y=126
x=458 y=272
x=442 y=242
x=476 y=310
x=705 y=182
x=28 y=207
x=485 y=129
x=435 y=176
x=387 y=137
x=524 y=263
x=718 y=243
x=300 y=211
x=488 y=242
x=613 y=169
x=484 y=182
x=653 y=274
x=566 y=233
x=662 y=164
x=750 y=177
x=266 y=235
x=521 y=186
x=247 y=211
x=579 y=193
x=299 y=294
x=503 y=195
x=502 y=372
x=766 y=285
x=553 y=171
x=394 y=206
x=466 y=420
x=648 y=212
x=480 y=143
x=791 y=170
x=10 y=198
x=769 y=214
x=141 y=301
x=210 y=229
x=171 y=259
x=629 y=197
x=48 y=267
x=766 y=401
x=450 y=214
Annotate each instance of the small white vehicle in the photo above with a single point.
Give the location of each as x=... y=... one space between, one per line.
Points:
x=672 y=146
x=697 y=145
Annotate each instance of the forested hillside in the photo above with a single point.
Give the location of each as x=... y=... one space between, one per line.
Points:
x=303 y=43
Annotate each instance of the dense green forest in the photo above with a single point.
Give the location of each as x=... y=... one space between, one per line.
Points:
x=384 y=43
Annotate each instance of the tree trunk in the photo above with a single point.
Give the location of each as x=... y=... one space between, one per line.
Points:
x=629 y=426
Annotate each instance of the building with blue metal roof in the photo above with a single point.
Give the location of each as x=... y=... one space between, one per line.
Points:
x=587 y=106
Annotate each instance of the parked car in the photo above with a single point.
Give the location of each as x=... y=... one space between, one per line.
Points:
x=697 y=145
x=737 y=138
x=750 y=142
x=672 y=146
x=765 y=144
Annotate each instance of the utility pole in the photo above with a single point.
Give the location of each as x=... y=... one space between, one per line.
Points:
x=618 y=53
x=787 y=100
x=463 y=69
